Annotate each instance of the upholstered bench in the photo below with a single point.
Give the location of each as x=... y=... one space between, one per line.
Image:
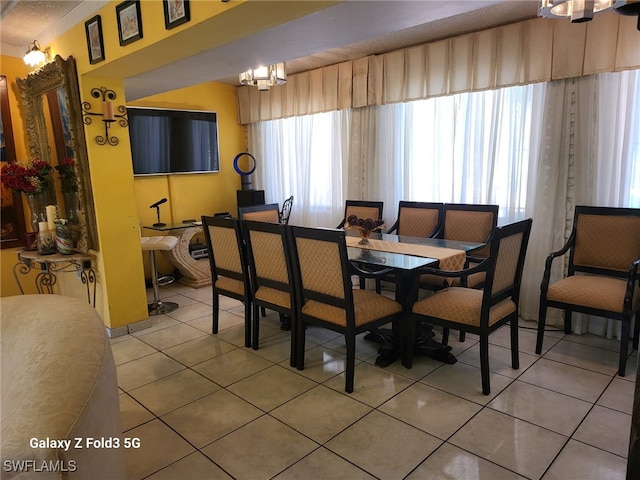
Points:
x=59 y=391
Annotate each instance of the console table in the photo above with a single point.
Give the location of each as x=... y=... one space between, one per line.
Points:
x=50 y=265
x=196 y=273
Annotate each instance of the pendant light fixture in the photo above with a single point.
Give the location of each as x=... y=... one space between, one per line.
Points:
x=265 y=77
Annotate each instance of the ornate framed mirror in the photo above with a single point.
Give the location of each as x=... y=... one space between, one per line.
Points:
x=54 y=129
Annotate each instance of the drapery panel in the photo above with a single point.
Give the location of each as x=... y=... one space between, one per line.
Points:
x=535 y=150
x=537 y=50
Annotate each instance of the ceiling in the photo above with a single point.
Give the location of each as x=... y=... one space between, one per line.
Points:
x=345 y=31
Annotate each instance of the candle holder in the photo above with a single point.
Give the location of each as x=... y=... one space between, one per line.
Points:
x=108 y=115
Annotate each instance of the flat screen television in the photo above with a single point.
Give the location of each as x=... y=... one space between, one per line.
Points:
x=165 y=141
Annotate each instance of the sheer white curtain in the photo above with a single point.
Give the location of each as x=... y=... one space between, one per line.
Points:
x=306 y=157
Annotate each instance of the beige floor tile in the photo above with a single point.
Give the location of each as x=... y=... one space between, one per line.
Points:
x=232 y=367
x=391 y=455
x=499 y=360
x=511 y=443
x=200 y=294
x=566 y=379
x=199 y=350
x=320 y=364
x=320 y=413
x=259 y=389
x=632 y=367
x=157 y=323
x=145 y=370
x=226 y=303
x=132 y=414
x=130 y=349
x=193 y=467
x=372 y=385
x=276 y=347
x=181 y=300
x=159 y=446
x=210 y=418
x=249 y=454
x=465 y=381
x=612 y=344
x=584 y=462
x=584 y=356
x=202 y=323
x=176 y=287
x=322 y=463
x=618 y=396
x=234 y=334
x=365 y=349
x=431 y=410
x=174 y=391
x=422 y=366
x=320 y=336
x=171 y=336
x=554 y=411
x=449 y=462
x=238 y=310
x=526 y=340
x=606 y=429
x=191 y=312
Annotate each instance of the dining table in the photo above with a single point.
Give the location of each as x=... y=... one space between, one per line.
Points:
x=404 y=257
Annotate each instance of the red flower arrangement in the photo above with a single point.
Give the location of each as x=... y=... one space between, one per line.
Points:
x=31 y=178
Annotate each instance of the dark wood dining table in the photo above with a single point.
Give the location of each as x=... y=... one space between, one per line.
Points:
x=405 y=256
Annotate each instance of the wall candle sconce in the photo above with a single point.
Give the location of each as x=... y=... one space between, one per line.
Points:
x=108 y=115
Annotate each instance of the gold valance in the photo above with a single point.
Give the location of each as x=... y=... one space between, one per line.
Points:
x=531 y=51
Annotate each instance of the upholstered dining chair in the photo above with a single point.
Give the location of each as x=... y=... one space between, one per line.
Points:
x=480 y=311
x=602 y=276
x=285 y=211
x=229 y=270
x=260 y=213
x=418 y=219
x=361 y=209
x=326 y=298
x=271 y=277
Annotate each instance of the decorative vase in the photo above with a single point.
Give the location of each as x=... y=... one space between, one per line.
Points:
x=64 y=242
x=364 y=236
x=72 y=206
x=38 y=207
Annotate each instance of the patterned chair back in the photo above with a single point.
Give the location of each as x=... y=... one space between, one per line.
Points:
x=225 y=247
x=363 y=212
x=417 y=219
x=269 y=213
x=268 y=253
x=470 y=223
x=606 y=238
x=321 y=269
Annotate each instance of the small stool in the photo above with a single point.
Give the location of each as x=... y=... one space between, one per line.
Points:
x=151 y=245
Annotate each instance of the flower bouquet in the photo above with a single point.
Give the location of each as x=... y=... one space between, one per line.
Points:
x=363 y=226
x=31 y=178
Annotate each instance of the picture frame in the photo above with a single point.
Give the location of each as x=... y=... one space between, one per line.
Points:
x=129 y=22
x=176 y=12
x=13 y=225
x=95 y=43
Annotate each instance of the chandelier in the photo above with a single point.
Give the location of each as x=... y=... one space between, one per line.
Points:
x=577 y=10
x=265 y=77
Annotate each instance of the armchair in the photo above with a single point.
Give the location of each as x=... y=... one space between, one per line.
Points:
x=602 y=276
x=480 y=311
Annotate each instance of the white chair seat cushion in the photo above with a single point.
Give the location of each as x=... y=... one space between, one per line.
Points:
x=166 y=242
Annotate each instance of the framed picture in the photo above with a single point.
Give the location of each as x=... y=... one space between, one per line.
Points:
x=176 y=12
x=93 y=29
x=13 y=227
x=129 y=21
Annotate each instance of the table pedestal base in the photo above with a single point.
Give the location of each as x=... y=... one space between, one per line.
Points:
x=424 y=345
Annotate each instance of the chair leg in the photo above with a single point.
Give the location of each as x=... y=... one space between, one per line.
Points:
x=542 y=320
x=216 y=313
x=294 y=339
x=462 y=335
x=351 y=363
x=484 y=363
x=567 y=321
x=255 y=328
x=263 y=311
x=409 y=341
x=445 y=336
x=378 y=286
x=515 y=355
x=624 y=345
x=300 y=340
x=636 y=331
x=247 y=323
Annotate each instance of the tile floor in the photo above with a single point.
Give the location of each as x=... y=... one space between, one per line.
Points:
x=205 y=407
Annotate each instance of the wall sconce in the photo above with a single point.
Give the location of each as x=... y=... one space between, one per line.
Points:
x=35 y=56
x=108 y=116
